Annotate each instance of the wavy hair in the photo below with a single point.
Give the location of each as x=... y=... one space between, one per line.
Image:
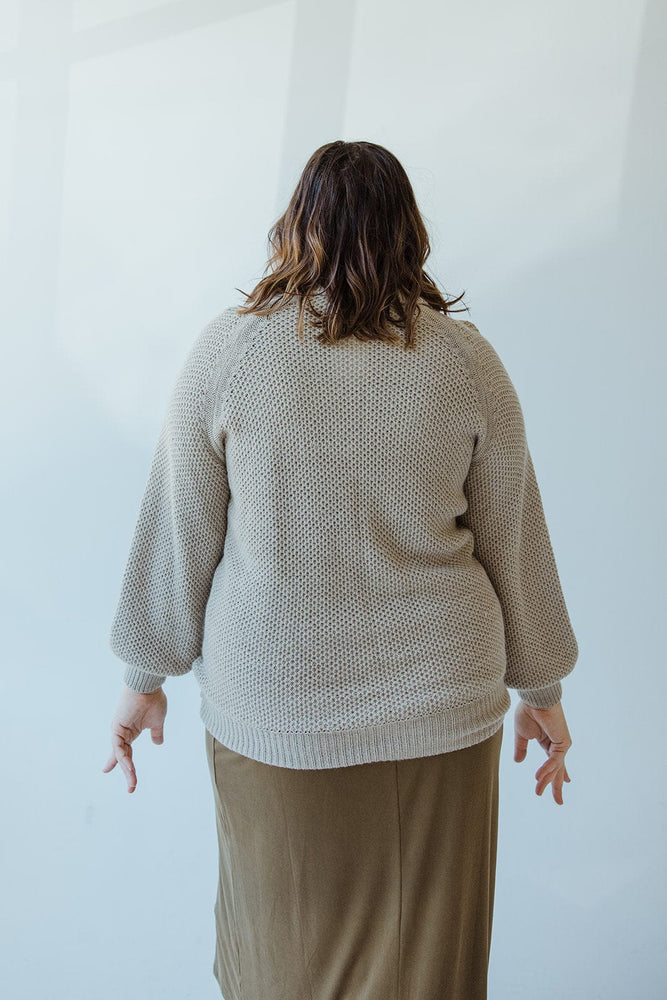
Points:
x=353 y=228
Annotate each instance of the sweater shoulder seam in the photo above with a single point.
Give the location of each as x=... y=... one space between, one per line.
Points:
x=238 y=343
x=222 y=322
x=484 y=399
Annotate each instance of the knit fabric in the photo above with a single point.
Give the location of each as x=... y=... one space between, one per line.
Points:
x=345 y=543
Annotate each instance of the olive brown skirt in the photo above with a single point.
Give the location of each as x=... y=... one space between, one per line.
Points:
x=368 y=882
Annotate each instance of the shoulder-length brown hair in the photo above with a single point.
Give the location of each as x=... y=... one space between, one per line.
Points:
x=352 y=227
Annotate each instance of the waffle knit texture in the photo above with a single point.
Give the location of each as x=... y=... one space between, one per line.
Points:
x=345 y=543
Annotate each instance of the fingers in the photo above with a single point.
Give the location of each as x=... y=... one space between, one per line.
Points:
x=549 y=729
x=557 y=788
x=520 y=747
x=135 y=712
x=125 y=760
x=552 y=771
x=121 y=741
x=556 y=779
x=122 y=754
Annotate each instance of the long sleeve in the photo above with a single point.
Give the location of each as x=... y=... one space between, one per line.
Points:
x=178 y=540
x=512 y=542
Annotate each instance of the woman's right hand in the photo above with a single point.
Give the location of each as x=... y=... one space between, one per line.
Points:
x=549 y=728
x=135 y=713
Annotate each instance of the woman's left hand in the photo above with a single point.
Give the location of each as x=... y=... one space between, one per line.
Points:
x=135 y=713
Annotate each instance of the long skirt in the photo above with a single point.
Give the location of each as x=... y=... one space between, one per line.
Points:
x=367 y=882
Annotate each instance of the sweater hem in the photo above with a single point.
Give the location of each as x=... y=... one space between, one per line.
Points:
x=419 y=736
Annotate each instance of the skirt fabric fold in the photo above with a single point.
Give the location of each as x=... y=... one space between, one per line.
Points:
x=369 y=882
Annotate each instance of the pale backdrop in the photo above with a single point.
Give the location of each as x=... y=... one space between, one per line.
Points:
x=147 y=149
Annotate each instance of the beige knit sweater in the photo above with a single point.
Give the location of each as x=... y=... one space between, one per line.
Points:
x=346 y=545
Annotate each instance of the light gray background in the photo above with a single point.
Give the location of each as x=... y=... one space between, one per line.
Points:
x=147 y=149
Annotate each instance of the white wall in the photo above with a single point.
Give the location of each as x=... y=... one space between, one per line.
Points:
x=149 y=147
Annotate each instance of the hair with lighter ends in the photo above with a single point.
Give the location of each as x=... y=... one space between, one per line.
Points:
x=353 y=228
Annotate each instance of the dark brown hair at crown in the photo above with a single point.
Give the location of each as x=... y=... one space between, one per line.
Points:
x=352 y=227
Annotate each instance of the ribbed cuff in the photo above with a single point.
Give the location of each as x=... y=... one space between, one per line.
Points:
x=544 y=697
x=141 y=681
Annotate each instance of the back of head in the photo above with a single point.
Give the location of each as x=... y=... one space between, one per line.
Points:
x=353 y=229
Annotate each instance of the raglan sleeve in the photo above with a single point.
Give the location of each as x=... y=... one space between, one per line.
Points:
x=511 y=540
x=178 y=539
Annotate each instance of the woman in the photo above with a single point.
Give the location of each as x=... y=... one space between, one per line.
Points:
x=343 y=538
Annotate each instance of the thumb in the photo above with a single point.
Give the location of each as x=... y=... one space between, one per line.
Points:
x=520 y=747
x=157 y=734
